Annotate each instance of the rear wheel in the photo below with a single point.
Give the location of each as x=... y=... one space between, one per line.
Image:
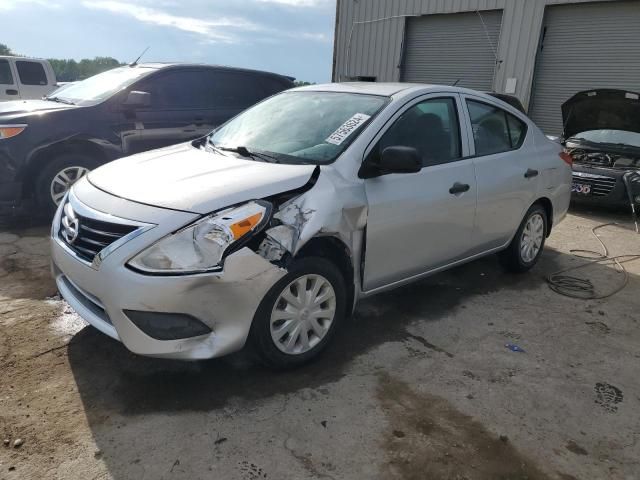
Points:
x=527 y=245
x=300 y=313
x=55 y=180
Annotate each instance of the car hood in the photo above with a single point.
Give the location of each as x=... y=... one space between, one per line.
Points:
x=186 y=178
x=18 y=107
x=603 y=109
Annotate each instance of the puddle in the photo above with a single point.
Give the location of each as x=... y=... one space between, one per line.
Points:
x=429 y=438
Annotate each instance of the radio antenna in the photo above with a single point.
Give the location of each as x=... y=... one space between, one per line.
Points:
x=135 y=62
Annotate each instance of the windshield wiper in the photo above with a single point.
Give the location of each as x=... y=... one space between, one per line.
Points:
x=208 y=144
x=59 y=100
x=245 y=152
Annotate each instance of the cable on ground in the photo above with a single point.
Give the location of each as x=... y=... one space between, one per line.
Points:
x=583 y=288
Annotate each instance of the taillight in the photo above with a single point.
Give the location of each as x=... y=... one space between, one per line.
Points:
x=566 y=157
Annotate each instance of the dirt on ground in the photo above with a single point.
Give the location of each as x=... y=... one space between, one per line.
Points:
x=419 y=383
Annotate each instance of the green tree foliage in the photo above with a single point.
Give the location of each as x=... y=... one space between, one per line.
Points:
x=300 y=83
x=71 y=70
x=4 y=50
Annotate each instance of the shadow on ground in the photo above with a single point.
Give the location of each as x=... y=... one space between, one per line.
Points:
x=114 y=383
x=110 y=378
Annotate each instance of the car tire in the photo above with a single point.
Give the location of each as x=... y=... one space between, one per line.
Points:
x=57 y=177
x=281 y=325
x=527 y=244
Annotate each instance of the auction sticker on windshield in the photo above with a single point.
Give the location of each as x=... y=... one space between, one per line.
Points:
x=347 y=128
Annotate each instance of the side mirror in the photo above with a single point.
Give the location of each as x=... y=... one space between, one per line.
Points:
x=394 y=159
x=137 y=99
x=400 y=159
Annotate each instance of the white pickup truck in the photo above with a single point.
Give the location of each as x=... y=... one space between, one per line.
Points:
x=23 y=78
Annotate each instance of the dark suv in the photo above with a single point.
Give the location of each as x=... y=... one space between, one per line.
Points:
x=46 y=145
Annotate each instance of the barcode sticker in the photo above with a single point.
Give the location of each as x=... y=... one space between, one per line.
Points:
x=347 y=128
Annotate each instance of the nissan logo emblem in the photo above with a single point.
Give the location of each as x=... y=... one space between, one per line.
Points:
x=70 y=224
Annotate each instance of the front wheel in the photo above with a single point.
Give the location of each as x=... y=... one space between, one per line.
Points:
x=526 y=247
x=57 y=177
x=300 y=314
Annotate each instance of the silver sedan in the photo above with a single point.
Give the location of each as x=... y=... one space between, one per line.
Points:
x=269 y=230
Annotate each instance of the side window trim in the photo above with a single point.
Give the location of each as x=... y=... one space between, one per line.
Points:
x=462 y=128
x=469 y=126
x=524 y=133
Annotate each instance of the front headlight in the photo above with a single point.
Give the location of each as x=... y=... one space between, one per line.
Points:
x=201 y=246
x=8 y=131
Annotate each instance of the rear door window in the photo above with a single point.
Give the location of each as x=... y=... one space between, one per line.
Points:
x=235 y=89
x=5 y=73
x=494 y=130
x=271 y=86
x=517 y=130
x=31 y=73
x=177 y=90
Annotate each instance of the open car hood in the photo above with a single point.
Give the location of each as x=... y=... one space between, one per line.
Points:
x=602 y=109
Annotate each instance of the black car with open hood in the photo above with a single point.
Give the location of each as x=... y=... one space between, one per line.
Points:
x=602 y=135
x=48 y=144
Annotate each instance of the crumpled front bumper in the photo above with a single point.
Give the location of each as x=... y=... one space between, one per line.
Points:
x=225 y=301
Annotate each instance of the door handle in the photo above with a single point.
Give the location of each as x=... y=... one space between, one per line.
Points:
x=11 y=91
x=458 y=188
x=530 y=173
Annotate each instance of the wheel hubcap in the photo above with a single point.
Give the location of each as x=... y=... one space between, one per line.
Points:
x=303 y=314
x=532 y=236
x=63 y=180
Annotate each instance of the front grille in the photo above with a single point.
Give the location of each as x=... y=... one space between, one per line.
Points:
x=600 y=185
x=88 y=236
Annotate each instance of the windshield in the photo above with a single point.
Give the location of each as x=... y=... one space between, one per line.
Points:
x=609 y=136
x=301 y=127
x=100 y=87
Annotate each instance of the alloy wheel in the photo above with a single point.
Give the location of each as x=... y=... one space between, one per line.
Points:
x=63 y=180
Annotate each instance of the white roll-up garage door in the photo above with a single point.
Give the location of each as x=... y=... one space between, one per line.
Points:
x=443 y=49
x=584 y=46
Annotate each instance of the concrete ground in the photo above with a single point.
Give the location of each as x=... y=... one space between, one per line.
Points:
x=418 y=384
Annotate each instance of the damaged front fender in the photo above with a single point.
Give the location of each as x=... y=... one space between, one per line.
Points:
x=333 y=207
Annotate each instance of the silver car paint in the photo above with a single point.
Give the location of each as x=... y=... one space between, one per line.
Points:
x=224 y=301
x=185 y=178
x=413 y=226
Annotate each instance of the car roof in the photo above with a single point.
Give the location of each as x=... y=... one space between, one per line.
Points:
x=389 y=89
x=174 y=65
x=399 y=90
x=386 y=89
x=17 y=57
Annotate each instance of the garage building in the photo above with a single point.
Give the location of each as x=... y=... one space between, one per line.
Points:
x=542 y=51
